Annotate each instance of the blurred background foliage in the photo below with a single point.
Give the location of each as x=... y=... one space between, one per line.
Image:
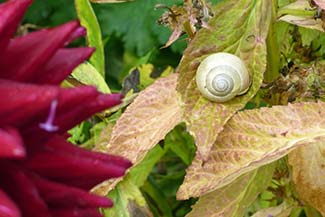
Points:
x=130 y=32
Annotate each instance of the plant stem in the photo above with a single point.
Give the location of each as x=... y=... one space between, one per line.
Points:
x=273 y=51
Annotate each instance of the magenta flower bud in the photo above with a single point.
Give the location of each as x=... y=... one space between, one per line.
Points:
x=7 y=207
x=11 y=144
x=43 y=175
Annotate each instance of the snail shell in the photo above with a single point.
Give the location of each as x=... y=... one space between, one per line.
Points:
x=222 y=76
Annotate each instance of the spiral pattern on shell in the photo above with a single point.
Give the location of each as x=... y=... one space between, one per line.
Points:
x=222 y=76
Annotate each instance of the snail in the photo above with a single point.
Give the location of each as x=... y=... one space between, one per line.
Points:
x=222 y=76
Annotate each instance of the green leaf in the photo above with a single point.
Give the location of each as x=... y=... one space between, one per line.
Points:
x=181 y=143
x=127 y=198
x=109 y=1
x=50 y=12
x=87 y=74
x=135 y=23
x=253 y=138
x=155 y=194
x=308 y=35
x=238 y=27
x=80 y=133
x=139 y=173
x=311 y=212
x=233 y=199
x=128 y=201
x=88 y=19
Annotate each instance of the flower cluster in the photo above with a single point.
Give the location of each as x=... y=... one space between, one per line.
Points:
x=43 y=175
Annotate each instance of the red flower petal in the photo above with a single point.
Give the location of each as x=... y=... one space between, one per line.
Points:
x=62 y=64
x=28 y=53
x=21 y=101
x=68 y=167
x=7 y=207
x=61 y=145
x=11 y=13
x=80 y=31
x=77 y=212
x=69 y=119
x=28 y=103
x=11 y=143
x=23 y=191
x=59 y=195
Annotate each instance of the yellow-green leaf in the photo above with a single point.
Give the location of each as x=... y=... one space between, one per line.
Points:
x=307 y=22
x=128 y=201
x=233 y=199
x=239 y=27
x=88 y=19
x=87 y=74
x=308 y=173
x=253 y=138
x=300 y=13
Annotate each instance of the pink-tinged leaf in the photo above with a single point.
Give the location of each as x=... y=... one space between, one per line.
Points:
x=232 y=200
x=306 y=17
x=308 y=173
x=61 y=65
x=250 y=19
x=173 y=37
x=16 y=66
x=22 y=189
x=253 y=138
x=320 y=3
x=11 y=13
x=7 y=207
x=146 y=121
x=282 y=210
x=11 y=144
x=307 y=22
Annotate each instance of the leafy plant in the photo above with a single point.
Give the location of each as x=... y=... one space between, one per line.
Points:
x=259 y=154
x=236 y=148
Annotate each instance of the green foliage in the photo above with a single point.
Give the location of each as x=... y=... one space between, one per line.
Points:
x=88 y=19
x=135 y=23
x=50 y=12
x=88 y=75
x=158 y=176
x=181 y=143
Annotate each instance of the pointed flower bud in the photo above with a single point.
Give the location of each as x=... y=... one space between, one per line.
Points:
x=43 y=175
